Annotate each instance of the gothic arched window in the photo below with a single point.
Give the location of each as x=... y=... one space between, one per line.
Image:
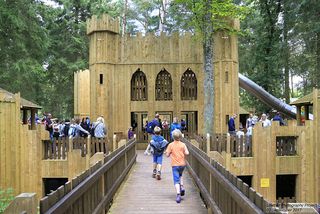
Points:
x=139 y=86
x=189 y=85
x=164 y=86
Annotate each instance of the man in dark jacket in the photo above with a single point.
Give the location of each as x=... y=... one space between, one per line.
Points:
x=232 y=125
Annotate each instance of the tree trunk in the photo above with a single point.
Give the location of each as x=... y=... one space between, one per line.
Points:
x=286 y=54
x=124 y=18
x=317 y=68
x=208 y=73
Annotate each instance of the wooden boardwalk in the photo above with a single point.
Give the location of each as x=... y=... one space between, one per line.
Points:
x=141 y=193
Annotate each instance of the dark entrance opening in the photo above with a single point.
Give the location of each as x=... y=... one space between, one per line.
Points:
x=286 y=186
x=246 y=179
x=243 y=120
x=51 y=184
x=139 y=121
x=191 y=122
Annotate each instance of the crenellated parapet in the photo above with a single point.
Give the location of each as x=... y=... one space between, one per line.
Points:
x=175 y=48
x=103 y=23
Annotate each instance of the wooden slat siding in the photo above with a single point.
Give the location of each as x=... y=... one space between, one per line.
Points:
x=218 y=173
x=89 y=194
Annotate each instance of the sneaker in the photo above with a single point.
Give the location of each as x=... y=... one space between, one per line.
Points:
x=158 y=175
x=178 y=198
x=182 y=190
x=154 y=173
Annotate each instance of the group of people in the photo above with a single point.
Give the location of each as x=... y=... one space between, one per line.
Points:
x=163 y=125
x=251 y=121
x=176 y=150
x=75 y=127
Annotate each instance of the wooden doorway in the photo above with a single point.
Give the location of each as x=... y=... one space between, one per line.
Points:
x=166 y=117
x=138 y=123
x=191 y=121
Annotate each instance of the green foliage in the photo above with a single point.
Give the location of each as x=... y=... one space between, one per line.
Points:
x=6 y=196
x=220 y=13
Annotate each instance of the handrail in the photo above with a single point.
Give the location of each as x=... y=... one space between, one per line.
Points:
x=228 y=186
x=128 y=152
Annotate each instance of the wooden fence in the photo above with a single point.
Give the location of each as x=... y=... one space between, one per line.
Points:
x=218 y=142
x=222 y=191
x=241 y=146
x=60 y=147
x=93 y=190
x=286 y=145
x=57 y=149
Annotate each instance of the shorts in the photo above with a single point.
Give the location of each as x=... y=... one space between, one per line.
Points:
x=157 y=159
x=177 y=173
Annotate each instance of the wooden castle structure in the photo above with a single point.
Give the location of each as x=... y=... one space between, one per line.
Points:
x=135 y=77
x=132 y=78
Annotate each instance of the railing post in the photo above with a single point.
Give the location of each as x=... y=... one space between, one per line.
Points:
x=208 y=143
x=114 y=141
x=88 y=152
x=228 y=144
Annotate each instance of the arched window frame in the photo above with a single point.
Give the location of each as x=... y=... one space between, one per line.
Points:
x=163 y=86
x=189 y=85
x=139 y=86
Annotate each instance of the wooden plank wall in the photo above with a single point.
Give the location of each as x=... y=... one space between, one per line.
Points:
x=316 y=139
x=266 y=164
x=226 y=78
x=10 y=161
x=82 y=93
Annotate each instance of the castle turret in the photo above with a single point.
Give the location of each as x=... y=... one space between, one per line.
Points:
x=226 y=69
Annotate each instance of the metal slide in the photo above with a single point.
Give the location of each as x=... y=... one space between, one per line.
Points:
x=265 y=97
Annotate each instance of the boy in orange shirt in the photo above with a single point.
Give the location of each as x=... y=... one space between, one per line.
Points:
x=177 y=151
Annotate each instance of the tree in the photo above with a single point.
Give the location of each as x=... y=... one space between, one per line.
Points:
x=209 y=16
x=23 y=47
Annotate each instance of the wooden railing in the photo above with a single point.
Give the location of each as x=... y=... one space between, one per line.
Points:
x=93 y=190
x=222 y=191
x=286 y=145
x=98 y=145
x=57 y=149
x=241 y=146
x=202 y=141
x=218 y=142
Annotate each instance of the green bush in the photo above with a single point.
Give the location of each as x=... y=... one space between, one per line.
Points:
x=6 y=196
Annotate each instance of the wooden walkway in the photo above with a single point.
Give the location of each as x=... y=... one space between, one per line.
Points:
x=141 y=193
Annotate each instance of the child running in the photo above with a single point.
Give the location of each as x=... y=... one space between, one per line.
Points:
x=159 y=144
x=177 y=151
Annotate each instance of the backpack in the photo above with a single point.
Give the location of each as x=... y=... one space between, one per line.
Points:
x=72 y=132
x=150 y=128
x=66 y=130
x=93 y=129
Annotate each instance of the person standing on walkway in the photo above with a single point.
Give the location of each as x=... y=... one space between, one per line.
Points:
x=174 y=125
x=232 y=125
x=159 y=144
x=177 y=151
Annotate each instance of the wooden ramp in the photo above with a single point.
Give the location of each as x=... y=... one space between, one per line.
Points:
x=143 y=194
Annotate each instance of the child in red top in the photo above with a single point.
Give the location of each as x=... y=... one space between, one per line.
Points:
x=177 y=151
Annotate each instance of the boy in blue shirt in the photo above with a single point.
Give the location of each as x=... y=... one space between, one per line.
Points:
x=159 y=144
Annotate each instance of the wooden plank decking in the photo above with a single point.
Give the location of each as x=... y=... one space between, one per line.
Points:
x=143 y=194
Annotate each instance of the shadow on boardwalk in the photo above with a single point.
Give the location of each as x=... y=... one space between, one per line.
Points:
x=143 y=194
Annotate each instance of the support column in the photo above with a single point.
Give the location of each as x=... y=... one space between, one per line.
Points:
x=25 y=116
x=306 y=112
x=298 y=115
x=33 y=119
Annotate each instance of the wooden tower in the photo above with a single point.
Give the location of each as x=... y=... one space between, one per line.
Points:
x=226 y=69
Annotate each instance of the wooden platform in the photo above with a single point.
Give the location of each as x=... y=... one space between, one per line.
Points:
x=143 y=194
